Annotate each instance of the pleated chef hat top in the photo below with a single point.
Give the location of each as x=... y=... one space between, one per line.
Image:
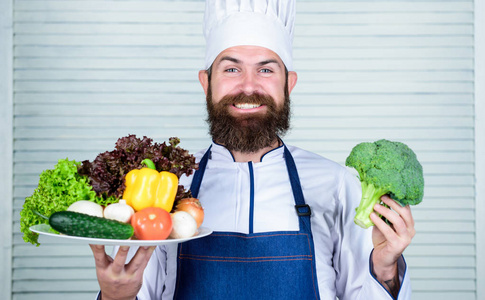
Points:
x=264 y=23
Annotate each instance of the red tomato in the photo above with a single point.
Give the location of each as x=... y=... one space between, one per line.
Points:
x=193 y=207
x=152 y=223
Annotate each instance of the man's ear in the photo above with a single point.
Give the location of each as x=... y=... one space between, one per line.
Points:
x=204 y=80
x=292 y=78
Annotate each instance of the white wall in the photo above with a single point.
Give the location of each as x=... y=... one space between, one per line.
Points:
x=480 y=142
x=6 y=140
x=88 y=72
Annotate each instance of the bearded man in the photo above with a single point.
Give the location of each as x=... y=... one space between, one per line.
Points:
x=282 y=216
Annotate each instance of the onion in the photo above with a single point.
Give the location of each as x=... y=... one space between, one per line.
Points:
x=87 y=207
x=193 y=207
x=183 y=225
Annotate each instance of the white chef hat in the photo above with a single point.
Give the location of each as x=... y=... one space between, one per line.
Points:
x=264 y=23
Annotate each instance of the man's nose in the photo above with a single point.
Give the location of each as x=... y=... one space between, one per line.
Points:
x=249 y=83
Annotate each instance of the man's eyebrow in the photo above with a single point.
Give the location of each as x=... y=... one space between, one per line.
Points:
x=230 y=58
x=268 y=61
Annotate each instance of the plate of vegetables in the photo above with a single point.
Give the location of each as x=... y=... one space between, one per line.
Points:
x=128 y=196
x=119 y=224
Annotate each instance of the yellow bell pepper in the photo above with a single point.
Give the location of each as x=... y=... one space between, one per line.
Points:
x=147 y=187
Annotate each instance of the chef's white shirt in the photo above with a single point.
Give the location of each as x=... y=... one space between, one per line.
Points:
x=342 y=249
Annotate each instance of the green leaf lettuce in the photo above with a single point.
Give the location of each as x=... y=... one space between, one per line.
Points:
x=57 y=189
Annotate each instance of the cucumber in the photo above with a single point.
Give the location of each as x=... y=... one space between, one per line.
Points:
x=79 y=224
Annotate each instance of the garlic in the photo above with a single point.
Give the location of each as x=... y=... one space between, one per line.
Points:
x=119 y=211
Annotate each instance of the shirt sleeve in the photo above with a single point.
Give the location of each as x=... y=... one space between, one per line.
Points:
x=353 y=249
x=160 y=274
x=374 y=287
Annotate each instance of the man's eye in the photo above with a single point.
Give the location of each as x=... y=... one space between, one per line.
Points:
x=231 y=70
x=265 y=71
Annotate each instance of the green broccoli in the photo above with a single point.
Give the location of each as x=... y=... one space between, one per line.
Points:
x=385 y=167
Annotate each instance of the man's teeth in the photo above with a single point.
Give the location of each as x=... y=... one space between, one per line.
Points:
x=247 y=105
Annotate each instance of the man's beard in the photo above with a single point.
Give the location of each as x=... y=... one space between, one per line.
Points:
x=251 y=133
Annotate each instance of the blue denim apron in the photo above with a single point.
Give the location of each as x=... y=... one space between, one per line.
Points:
x=269 y=265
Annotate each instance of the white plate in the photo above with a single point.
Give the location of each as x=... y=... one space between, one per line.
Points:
x=45 y=229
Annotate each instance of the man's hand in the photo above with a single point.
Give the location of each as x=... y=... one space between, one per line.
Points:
x=117 y=280
x=390 y=241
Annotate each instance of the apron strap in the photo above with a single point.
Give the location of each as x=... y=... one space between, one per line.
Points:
x=199 y=173
x=302 y=209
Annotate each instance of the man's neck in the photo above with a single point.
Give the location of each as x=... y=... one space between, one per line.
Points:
x=254 y=156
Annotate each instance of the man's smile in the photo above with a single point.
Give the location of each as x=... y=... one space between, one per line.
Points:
x=247 y=105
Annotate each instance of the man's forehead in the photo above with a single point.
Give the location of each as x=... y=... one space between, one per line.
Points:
x=253 y=55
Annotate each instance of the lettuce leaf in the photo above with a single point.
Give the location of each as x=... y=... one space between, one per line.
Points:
x=57 y=189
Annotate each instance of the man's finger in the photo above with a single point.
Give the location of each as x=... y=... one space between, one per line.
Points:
x=403 y=211
x=100 y=258
x=141 y=258
x=398 y=224
x=120 y=259
x=384 y=228
x=391 y=203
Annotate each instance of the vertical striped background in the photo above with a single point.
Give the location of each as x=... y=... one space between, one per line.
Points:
x=88 y=72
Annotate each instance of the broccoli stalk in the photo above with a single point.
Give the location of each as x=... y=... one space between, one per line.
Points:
x=385 y=167
x=371 y=195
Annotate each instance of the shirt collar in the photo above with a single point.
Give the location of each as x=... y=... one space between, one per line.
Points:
x=220 y=153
